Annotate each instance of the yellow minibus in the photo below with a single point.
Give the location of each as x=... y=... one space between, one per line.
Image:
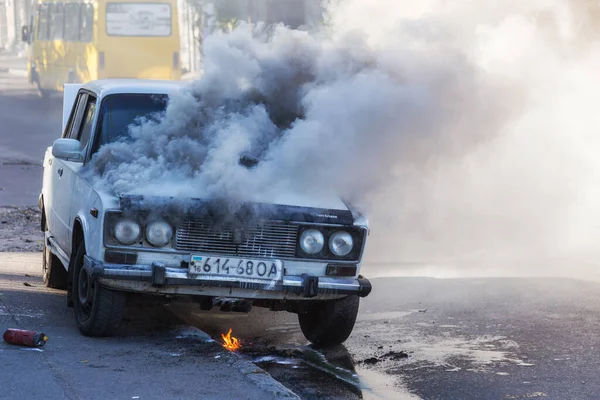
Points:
x=74 y=41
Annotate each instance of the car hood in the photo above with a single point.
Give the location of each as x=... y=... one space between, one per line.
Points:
x=328 y=210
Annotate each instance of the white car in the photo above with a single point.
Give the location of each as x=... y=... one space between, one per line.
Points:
x=102 y=246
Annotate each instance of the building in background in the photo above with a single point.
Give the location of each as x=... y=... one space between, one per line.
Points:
x=14 y=14
x=7 y=24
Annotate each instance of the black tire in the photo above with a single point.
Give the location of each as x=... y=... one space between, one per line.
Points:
x=54 y=273
x=98 y=310
x=329 y=323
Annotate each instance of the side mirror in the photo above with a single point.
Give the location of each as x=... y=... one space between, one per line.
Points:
x=25 y=34
x=67 y=149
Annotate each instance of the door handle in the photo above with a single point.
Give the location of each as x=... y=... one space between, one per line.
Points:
x=60 y=172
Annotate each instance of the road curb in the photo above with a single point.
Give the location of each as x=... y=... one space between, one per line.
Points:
x=258 y=376
x=263 y=380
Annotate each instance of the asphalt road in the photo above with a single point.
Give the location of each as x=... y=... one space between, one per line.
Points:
x=153 y=356
x=28 y=125
x=416 y=338
x=503 y=338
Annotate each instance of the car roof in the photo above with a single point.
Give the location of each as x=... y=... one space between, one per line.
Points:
x=106 y=87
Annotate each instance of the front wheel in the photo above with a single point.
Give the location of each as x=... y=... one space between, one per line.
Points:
x=98 y=310
x=329 y=323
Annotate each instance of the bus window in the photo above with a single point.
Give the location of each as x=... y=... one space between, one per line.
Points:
x=56 y=21
x=138 y=19
x=87 y=22
x=72 y=22
x=42 y=31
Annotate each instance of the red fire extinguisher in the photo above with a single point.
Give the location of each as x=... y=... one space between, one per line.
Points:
x=25 y=338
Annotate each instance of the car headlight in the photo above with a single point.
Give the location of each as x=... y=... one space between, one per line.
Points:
x=341 y=243
x=127 y=231
x=159 y=233
x=312 y=241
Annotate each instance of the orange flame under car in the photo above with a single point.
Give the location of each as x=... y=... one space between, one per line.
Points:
x=230 y=342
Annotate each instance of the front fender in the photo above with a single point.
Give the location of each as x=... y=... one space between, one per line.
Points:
x=84 y=200
x=92 y=232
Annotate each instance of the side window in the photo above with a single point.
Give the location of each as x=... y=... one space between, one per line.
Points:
x=56 y=21
x=87 y=22
x=42 y=28
x=72 y=22
x=72 y=128
x=85 y=132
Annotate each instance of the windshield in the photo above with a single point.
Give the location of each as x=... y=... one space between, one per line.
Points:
x=118 y=111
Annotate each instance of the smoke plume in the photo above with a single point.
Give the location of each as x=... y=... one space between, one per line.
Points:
x=466 y=130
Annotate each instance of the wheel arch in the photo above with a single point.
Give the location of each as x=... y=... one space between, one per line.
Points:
x=43 y=220
x=78 y=237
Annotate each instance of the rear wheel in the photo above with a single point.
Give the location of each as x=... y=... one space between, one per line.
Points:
x=98 y=310
x=54 y=273
x=329 y=323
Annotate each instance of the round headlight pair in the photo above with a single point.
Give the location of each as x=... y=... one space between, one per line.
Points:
x=312 y=242
x=158 y=233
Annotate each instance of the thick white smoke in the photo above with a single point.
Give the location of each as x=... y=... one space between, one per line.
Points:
x=466 y=129
x=524 y=201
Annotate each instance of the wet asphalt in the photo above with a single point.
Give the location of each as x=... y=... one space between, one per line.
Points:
x=422 y=338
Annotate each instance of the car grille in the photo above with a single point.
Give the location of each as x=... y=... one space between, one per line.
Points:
x=269 y=239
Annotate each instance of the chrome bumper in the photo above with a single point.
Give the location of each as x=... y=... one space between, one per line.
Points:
x=159 y=278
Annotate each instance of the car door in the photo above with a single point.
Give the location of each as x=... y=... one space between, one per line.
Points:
x=67 y=171
x=54 y=179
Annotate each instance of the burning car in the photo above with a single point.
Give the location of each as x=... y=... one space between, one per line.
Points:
x=102 y=246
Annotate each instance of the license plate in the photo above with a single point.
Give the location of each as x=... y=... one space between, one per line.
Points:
x=236 y=267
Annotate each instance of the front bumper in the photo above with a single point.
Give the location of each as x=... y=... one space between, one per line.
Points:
x=157 y=278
